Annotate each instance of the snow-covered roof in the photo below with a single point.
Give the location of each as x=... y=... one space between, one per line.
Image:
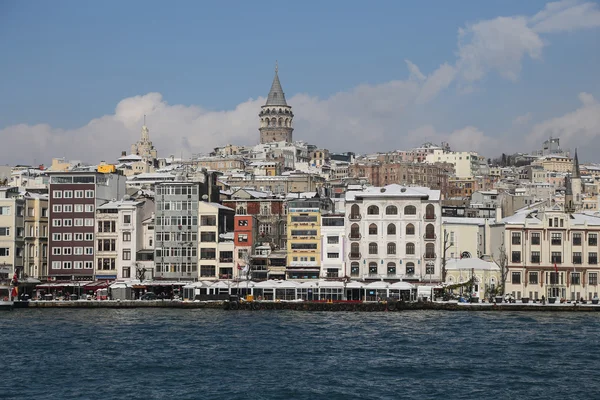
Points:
x=120 y=204
x=476 y=264
x=130 y=157
x=394 y=191
x=463 y=221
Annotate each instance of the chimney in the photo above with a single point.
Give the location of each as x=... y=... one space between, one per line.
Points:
x=498 y=214
x=123 y=153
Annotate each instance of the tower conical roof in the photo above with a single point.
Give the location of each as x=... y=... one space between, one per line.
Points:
x=575 y=173
x=276 y=96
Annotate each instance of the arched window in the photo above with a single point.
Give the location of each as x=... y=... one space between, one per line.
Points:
x=372 y=268
x=410 y=210
x=429 y=231
x=241 y=211
x=354 y=212
x=372 y=229
x=391 y=268
x=410 y=248
x=273 y=122
x=391 y=248
x=410 y=268
x=268 y=121
x=391 y=210
x=354 y=231
x=372 y=248
x=410 y=229
x=430 y=250
x=391 y=229
x=355 y=250
x=354 y=269
x=280 y=121
x=373 y=210
x=430 y=211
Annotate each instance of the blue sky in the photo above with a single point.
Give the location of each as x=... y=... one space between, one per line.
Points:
x=67 y=63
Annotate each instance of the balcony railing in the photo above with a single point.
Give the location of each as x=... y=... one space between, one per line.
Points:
x=429 y=217
x=354 y=256
x=226 y=260
x=355 y=217
x=432 y=236
x=355 y=236
x=429 y=256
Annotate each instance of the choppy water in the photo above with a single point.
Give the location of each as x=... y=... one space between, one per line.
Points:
x=213 y=354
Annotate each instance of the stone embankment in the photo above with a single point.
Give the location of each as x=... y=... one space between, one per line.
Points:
x=311 y=306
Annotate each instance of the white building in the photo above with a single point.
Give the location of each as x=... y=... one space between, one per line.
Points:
x=466 y=237
x=332 y=243
x=215 y=256
x=466 y=164
x=394 y=233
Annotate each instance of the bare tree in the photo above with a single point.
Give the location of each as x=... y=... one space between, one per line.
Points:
x=445 y=246
x=503 y=264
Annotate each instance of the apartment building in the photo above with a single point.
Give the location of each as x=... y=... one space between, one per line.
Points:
x=333 y=246
x=73 y=199
x=304 y=236
x=394 y=232
x=552 y=253
x=245 y=232
x=12 y=232
x=36 y=235
x=215 y=256
x=466 y=164
x=119 y=236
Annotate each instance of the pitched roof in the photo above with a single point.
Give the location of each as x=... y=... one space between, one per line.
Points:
x=276 y=96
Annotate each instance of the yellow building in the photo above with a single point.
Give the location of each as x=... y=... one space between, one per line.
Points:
x=555 y=163
x=304 y=237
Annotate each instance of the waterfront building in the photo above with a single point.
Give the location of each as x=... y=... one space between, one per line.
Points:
x=144 y=265
x=216 y=241
x=276 y=115
x=12 y=232
x=245 y=233
x=304 y=236
x=176 y=230
x=394 y=232
x=484 y=273
x=333 y=246
x=74 y=197
x=36 y=235
x=119 y=236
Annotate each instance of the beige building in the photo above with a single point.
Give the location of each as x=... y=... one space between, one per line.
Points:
x=12 y=232
x=554 y=163
x=288 y=183
x=215 y=255
x=466 y=164
x=466 y=237
x=36 y=236
x=484 y=273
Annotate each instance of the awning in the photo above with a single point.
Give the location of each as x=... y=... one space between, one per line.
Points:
x=302 y=270
x=96 y=285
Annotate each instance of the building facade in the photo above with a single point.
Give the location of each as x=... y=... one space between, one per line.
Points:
x=276 y=116
x=12 y=232
x=333 y=244
x=36 y=235
x=216 y=241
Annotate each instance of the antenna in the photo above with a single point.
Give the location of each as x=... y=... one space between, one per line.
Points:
x=276 y=66
x=144 y=119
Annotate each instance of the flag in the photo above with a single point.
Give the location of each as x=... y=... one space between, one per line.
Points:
x=15 y=292
x=246 y=269
x=555 y=268
x=239 y=266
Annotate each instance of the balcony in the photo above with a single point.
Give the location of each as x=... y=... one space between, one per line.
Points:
x=429 y=237
x=429 y=256
x=354 y=256
x=355 y=217
x=354 y=236
x=429 y=217
x=225 y=260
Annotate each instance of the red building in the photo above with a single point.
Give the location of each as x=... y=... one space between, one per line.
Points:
x=245 y=232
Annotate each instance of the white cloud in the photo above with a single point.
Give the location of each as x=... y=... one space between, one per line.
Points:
x=468 y=138
x=568 y=15
x=577 y=128
x=522 y=119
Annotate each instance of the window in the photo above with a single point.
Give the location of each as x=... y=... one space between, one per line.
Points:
x=243 y=222
x=57 y=222
x=4 y=210
x=333 y=255
x=126 y=218
x=4 y=231
x=78 y=251
x=56 y=237
x=90 y=222
x=78 y=221
x=67 y=222
x=533 y=278
x=556 y=257
x=410 y=229
x=56 y=251
x=66 y=265
x=410 y=248
x=209 y=220
x=391 y=268
x=410 y=268
x=516 y=238
x=556 y=239
x=207 y=270
x=57 y=194
x=89 y=208
x=88 y=265
x=89 y=237
x=56 y=264
x=89 y=251
x=44 y=212
x=208 y=254
x=79 y=237
x=79 y=194
x=126 y=272
x=391 y=229
x=429 y=231
x=126 y=254
x=410 y=210
x=78 y=208
x=373 y=268
x=593 y=278
x=516 y=278
x=57 y=208
x=577 y=239
x=593 y=239
x=430 y=270
x=535 y=238
x=89 y=194
x=354 y=269
x=575 y=278
x=554 y=278
x=333 y=240
x=373 y=210
x=535 y=257
x=127 y=236
x=391 y=248
x=516 y=256
x=577 y=257
x=354 y=212
x=391 y=210
x=372 y=248
x=78 y=264
x=67 y=251
x=242 y=238
x=372 y=229
x=68 y=194
x=592 y=258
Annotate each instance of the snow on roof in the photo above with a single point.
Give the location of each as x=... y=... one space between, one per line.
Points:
x=119 y=204
x=463 y=221
x=394 y=190
x=471 y=263
x=132 y=157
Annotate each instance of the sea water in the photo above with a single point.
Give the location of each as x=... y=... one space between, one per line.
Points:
x=214 y=354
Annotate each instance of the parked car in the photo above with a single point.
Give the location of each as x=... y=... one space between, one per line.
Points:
x=148 y=296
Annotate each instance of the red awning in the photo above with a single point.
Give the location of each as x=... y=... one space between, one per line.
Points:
x=96 y=285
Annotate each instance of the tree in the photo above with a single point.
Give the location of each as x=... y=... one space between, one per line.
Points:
x=503 y=264
x=445 y=246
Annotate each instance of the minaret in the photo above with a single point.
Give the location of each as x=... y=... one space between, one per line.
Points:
x=576 y=187
x=276 y=116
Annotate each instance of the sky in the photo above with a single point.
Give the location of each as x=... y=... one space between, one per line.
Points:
x=77 y=77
